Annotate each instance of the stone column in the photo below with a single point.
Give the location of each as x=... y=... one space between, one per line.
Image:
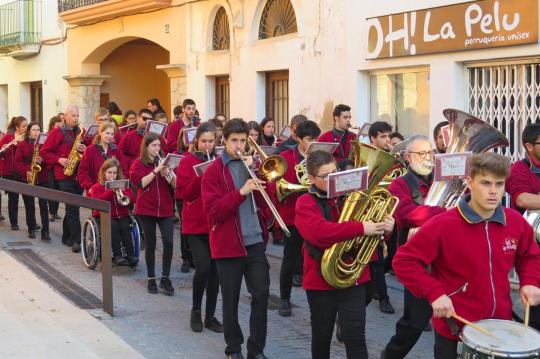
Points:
x=178 y=82
x=84 y=91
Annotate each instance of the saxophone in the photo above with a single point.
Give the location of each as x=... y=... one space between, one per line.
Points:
x=74 y=155
x=35 y=168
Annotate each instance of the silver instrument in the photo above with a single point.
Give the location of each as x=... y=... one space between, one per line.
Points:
x=166 y=172
x=122 y=199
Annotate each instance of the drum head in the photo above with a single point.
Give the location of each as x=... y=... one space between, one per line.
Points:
x=513 y=339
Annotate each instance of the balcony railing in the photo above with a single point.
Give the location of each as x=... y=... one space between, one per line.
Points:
x=20 y=25
x=66 y=5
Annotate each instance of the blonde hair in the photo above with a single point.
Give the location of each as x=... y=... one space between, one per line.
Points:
x=105 y=125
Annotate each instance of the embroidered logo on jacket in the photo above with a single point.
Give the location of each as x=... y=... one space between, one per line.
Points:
x=510 y=245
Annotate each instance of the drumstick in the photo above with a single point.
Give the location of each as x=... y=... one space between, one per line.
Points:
x=472 y=325
x=526 y=319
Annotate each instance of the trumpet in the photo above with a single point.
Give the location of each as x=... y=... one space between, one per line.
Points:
x=265 y=196
x=167 y=173
x=15 y=140
x=122 y=199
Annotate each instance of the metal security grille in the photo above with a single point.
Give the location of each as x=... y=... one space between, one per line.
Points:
x=221 y=38
x=277 y=19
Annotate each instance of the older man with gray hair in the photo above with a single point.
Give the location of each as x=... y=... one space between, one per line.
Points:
x=411 y=212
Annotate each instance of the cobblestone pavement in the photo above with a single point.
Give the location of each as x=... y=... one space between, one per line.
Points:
x=158 y=326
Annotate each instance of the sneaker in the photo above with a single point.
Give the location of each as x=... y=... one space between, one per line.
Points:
x=152 y=286
x=45 y=236
x=185 y=267
x=235 y=356
x=166 y=286
x=385 y=306
x=31 y=234
x=119 y=261
x=132 y=260
x=14 y=227
x=285 y=308
x=196 y=321
x=297 y=280
x=76 y=247
x=213 y=324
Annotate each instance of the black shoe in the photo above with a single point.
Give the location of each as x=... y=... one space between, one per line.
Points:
x=285 y=308
x=383 y=354
x=2 y=217
x=192 y=264
x=385 y=306
x=119 y=261
x=196 y=321
x=76 y=247
x=14 y=227
x=51 y=218
x=166 y=286
x=56 y=216
x=152 y=286
x=67 y=244
x=37 y=228
x=213 y=324
x=257 y=356
x=235 y=356
x=428 y=327
x=176 y=220
x=31 y=234
x=185 y=267
x=45 y=236
x=297 y=280
x=132 y=260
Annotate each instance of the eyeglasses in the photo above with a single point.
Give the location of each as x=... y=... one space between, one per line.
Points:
x=424 y=154
x=146 y=118
x=325 y=176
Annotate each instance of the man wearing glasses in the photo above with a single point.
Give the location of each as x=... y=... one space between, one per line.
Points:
x=411 y=190
x=130 y=145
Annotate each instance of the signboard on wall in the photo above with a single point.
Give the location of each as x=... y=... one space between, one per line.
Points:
x=466 y=26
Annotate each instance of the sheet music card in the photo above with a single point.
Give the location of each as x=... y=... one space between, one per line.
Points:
x=364 y=130
x=119 y=184
x=219 y=150
x=92 y=131
x=285 y=132
x=329 y=147
x=269 y=150
x=341 y=183
x=189 y=135
x=172 y=160
x=201 y=168
x=447 y=134
x=451 y=166
x=42 y=137
x=156 y=127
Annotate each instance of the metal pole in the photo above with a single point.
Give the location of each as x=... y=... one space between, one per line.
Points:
x=106 y=262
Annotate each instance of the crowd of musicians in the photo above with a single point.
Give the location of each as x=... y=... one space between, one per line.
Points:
x=457 y=262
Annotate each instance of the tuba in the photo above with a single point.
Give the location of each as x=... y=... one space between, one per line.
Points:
x=467 y=134
x=74 y=155
x=343 y=263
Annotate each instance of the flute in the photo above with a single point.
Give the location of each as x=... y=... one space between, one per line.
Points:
x=11 y=143
x=128 y=125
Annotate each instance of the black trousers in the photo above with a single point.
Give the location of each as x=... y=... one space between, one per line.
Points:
x=255 y=269
x=121 y=236
x=349 y=305
x=444 y=348
x=205 y=277
x=416 y=315
x=378 y=274
x=53 y=205
x=166 y=227
x=13 y=203
x=30 y=210
x=184 y=244
x=292 y=254
x=391 y=246
x=71 y=225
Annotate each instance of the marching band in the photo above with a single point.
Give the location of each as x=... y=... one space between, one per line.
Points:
x=453 y=256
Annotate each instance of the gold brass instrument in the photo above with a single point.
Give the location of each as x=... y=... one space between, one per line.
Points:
x=343 y=263
x=74 y=156
x=285 y=189
x=167 y=173
x=272 y=168
x=35 y=168
x=122 y=199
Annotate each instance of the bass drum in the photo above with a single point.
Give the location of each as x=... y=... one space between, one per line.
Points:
x=513 y=341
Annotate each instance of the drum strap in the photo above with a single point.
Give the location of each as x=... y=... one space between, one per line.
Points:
x=453 y=326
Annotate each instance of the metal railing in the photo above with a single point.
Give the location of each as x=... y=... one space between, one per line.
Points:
x=20 y=23
x=66 y=5
x=103 y=207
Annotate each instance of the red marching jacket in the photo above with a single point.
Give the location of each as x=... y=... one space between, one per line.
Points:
x=524 y=178
x=154 y=200
x=7 y=157
x=221 y=202
x=336 y=136
x=92 y=160
x=189 y=187
x=130 y=146
x=98 y=191
x=322 y=234
x=58 y=145
x=23 y=159
x=471 y=259
x=173 y=131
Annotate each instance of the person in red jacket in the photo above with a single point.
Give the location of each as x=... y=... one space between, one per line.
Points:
x=154 y=207
x=23 y=159
x=130 y=145
x=306 y=132
x=54 y=122
x=411 y=212
x=111 y=170
x=55 y=152
x=471 y=250
x=8 y=144
x=195 y=229
x=184 y=117
x=236 y=240
x=316 y=220
x=340 y=133
x=94 y=156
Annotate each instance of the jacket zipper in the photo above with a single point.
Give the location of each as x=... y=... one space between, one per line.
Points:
x=235 y=222
x=158 y=194
x=463 y=288
x=491 y=271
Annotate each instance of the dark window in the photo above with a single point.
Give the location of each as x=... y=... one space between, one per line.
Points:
x=223 y=99
x=277 y=97
x=221 y=39
x=277 y=19
x=36 y=102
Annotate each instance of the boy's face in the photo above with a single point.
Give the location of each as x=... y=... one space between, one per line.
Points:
x=487 y=190
x=234 y=143
x=320 y=180
x=303 y=143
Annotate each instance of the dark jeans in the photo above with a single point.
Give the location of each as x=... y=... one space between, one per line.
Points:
x=30 y=210
x=13 y=204
x=391 y=245
x=71 y=225
x=416 y=315
x=444 y=348
x=378 y=274
x=166 y=227
x=53 y=184
x=205 y=276
x=184 y=244
x=121 y=236
x=349 y=305
x=292 y=254
x=255 y=269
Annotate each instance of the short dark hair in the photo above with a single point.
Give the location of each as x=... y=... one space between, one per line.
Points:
x=316 y=160
x=530 y=133
x=113 y=108
x=438 y=127
x=129 y=113
x=398 y=135
x=297 y=119
x=188 y=102
x=339 y=109
x=217 y=123
x=307 y=128
x=155 y=102
x=236 y=125
x=177 y=110
x=489 y=162
x=146 y=111
x=378 y=127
